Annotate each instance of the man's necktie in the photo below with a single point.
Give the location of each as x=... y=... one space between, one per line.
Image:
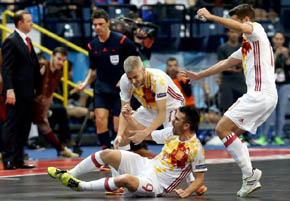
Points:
x=28 y=44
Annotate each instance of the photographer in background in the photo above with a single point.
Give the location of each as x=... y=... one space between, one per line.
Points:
x=142 y=33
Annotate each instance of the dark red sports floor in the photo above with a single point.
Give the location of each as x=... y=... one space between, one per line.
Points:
x=222 y=179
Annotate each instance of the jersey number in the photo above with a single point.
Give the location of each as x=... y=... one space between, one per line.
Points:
x=148 y=187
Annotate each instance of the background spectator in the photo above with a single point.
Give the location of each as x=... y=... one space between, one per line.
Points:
x=212 y=114
x=233 y=83
x=51 y=72
x=173 y=70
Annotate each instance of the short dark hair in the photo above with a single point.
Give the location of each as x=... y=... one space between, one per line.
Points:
x=192 y=116
x=242 y=11
x=100 y=13
x=171 y=59
x=18 y=16
x=60 y=50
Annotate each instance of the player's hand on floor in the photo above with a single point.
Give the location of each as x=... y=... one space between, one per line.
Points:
x=181 y=193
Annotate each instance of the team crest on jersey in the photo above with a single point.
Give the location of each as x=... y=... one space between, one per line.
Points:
x=149 y=95
x=114 y=59
x=246 y=47
x=179 y=156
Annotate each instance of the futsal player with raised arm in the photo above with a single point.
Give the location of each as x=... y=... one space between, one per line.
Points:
x=255 y=106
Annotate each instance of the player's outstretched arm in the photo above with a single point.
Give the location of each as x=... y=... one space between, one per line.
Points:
x=228 y=23
x=215 y=69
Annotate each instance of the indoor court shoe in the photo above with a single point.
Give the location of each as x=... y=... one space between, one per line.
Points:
x=251 y=183
x=67 y=153
x=71 y=182
x=201 y=190
x=55 y=172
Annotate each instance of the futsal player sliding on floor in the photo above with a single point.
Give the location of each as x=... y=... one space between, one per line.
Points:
x=182 y=156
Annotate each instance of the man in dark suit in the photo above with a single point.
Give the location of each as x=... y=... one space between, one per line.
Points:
x=21 y=81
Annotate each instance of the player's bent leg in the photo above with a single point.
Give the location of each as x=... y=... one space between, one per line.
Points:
x=127 y=181
x=111 y=157
x=225 y=127
x=240 y=154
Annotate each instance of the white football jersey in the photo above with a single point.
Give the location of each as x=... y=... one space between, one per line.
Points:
x=256 y=54
x=158 y=85
x=177 y=159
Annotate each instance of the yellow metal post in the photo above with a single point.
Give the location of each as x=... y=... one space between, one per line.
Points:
x=4 y=22
x=64 y=83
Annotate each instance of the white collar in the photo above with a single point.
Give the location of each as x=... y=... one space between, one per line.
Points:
x=22 y=35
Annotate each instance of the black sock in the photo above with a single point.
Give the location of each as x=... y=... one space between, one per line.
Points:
x=105 y=140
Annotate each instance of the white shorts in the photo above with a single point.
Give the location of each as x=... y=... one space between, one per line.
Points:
x=141 y=167
x=251 y=110
x=145 y=117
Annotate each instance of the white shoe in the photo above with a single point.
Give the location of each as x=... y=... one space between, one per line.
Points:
x=250 y=184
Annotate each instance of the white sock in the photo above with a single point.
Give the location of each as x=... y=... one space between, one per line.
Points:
x=248 y=159
x=240 y=153
x=104 y=184
x=89 y=164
